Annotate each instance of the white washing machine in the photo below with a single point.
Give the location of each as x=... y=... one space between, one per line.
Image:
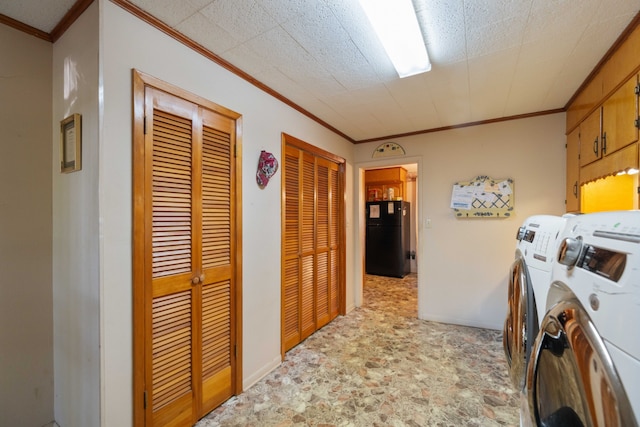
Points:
x=585 y=363
x=529 y=281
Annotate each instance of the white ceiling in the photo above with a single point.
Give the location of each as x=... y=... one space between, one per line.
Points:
x=491 y=58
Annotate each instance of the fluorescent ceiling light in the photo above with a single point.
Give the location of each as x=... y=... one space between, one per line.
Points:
x=397 y=27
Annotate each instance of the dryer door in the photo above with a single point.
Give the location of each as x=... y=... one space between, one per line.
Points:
x=571 y=380
x=514 y=336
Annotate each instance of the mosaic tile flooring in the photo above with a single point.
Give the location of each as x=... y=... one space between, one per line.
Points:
x=381 y=366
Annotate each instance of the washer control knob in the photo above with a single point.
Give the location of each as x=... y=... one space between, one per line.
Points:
x=569 y=252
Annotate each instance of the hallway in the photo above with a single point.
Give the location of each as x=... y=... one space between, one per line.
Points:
x=381 y=366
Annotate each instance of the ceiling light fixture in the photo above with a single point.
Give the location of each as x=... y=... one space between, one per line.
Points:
x=397 y=27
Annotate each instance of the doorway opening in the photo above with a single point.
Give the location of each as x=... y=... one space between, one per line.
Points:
x=410 y=193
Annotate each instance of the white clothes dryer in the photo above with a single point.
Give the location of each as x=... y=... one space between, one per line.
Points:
x=529 y=281
x=585 y=363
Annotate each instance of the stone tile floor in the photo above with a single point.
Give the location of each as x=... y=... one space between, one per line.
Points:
x=381 y=366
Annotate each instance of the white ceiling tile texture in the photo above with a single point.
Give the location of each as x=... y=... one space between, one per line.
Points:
x=490 y=58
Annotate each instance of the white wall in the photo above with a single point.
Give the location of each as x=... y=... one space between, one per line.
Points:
x=76 y=232
x=26 y=332
x=463 y=264
x=129 y=43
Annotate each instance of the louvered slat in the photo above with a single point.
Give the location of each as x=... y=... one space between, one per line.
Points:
x=307 y=300
x=334 y=284
x=322 y=288
x=216 y=196
x=292 y=229
x=322 y=222
x=308 y=203
x=291 y=303
x=216 y=328
x=171 y=196
x=334 y=222
x=171 y=348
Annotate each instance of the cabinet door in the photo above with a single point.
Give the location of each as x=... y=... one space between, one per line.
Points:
x=573 y=171
x=590 y=141
x=619 y=114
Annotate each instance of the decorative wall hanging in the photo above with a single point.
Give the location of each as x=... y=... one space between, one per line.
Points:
x=483 y=197
x=267 y=167
x=388 y=149
x=71 y=144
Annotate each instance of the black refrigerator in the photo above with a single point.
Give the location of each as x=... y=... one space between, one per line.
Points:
x=387 y=249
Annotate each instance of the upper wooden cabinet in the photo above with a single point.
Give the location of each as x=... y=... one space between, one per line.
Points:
x=573 y=172
x=591 y=138
x=612 y=126
x=380 y=183
x=619 y=118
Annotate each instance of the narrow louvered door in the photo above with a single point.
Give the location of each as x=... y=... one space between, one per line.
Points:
x=173 y=250
x=307 y=247
x=323 y=296
x=336 y=269
x=291 y=250
x=312 y=267
x=217 y=246
x=186 y=201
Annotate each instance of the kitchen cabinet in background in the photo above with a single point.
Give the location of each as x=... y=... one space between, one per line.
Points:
x=379 y=182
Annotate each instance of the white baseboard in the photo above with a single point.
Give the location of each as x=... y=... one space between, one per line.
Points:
x=261 y=373
x=461 y=322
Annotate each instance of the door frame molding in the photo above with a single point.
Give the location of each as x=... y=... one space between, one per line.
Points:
x=140 y=82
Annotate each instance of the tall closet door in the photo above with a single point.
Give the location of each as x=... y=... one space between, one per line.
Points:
x=174 y=293
x=311 y=266
x=188 y=303
x=218 y=320
x=291 y=268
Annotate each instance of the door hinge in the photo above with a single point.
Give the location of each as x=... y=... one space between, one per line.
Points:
x=144 y=399
x=638 y=190
x=144 y=125
x=636 y=122
x=235 y=351
x=637 y=89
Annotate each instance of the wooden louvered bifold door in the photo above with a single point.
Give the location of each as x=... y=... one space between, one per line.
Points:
x=311 y=245
x=189 y=210
x=291 y=250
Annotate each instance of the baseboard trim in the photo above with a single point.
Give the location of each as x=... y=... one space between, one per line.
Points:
x=461 y=322
x=261 y=373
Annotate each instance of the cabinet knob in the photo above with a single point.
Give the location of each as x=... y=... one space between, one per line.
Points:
x=195 y=280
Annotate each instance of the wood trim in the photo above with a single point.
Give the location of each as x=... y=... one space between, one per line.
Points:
x=69 y=18
x=616 y=45
x=238 y=251
x=28 y=29
x=464 y=125
x=138 y=249
x=305 y=146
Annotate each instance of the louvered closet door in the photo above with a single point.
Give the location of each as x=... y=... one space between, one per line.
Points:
x=307 y=246
x=189 y=325
x=291 y=250
x=311 y=245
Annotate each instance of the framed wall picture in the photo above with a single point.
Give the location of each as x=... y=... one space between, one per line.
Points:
x=71 y=144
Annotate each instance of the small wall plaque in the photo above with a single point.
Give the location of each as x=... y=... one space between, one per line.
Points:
x=71 y=144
